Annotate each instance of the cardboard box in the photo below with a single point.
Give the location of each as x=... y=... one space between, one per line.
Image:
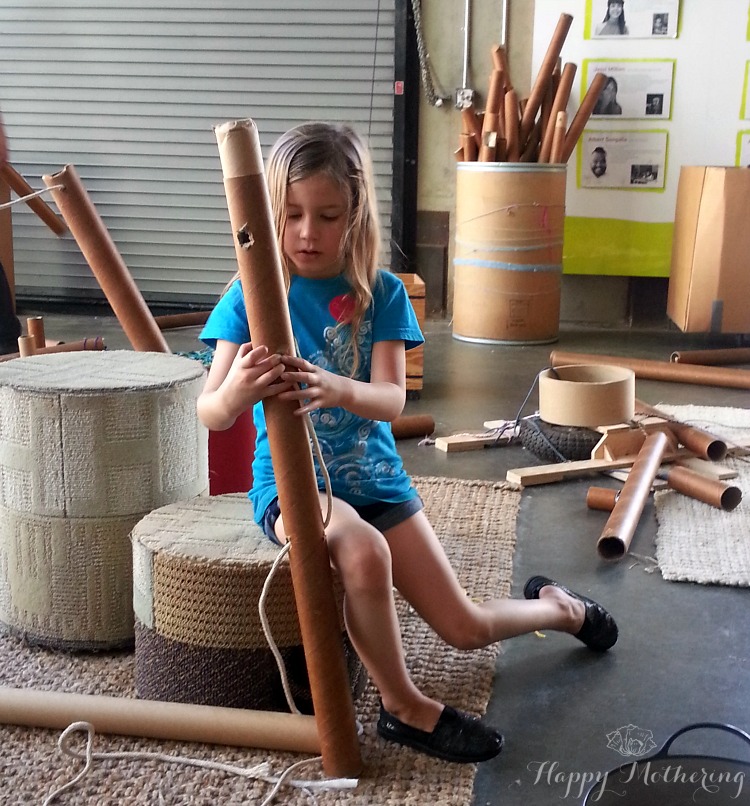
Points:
x=709 y=282
x=415 y=287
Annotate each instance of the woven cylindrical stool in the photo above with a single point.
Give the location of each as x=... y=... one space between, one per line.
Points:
x=90 y=442
x=199 y=568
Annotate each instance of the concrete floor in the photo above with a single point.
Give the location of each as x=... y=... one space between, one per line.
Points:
x=683 y=650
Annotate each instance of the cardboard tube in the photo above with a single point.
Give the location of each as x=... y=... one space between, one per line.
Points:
x=511 y=126
x=105 y=261
x=37 y=204
x=26 y=346
x=700 y=442
x=731 y=355
x=95 y=343
x=265 y=298
x=174 y=320
x=582 y=115
x=416 y=425
x=500 y=62
x=702 y=488
x=544 y=75
x=560 y=104
x=468 y=147
x=471 y=123
x=661 y=370
x=171 y=721
x=615 y=538
x=35 y=328
x=558 y=137
x=603 y=498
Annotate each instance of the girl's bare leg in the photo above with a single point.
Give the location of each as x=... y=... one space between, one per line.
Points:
x=424 y=576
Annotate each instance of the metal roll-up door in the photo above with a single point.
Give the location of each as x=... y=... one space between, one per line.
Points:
x=128 y=93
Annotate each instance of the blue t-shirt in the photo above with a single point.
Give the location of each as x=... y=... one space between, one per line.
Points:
x=359 y=454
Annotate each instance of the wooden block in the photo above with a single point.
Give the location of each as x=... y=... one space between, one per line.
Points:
x=415 y=287
x=468 y=442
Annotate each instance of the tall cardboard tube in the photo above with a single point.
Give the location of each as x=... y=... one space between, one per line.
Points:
x=511 y=126
x=171 y=721
x=700 y=442
x=265 y=298
x=582 y=115
x=620 y=527
x=661 y=370
x=544 y=75
x=702 y=488
x=105 y=261
x=38 y=205
x=560 y=104
x=95 y=343
x=730 y=355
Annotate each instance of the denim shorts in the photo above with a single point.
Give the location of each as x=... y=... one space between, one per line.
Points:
x=383 y=515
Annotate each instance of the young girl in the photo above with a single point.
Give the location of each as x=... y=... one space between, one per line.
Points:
x=353 y=324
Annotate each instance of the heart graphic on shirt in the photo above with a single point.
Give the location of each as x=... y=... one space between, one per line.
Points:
x=341 y=308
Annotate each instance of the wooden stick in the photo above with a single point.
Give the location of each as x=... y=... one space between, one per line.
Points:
x=543 y=76
x=37 y=204
x=264 y=293
x=560 y=104
x=618 y=532
x=661 y=370
x=581 y=117
x=105 y=261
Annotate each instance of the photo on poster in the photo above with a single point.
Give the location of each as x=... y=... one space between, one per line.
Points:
x=634 y=160
x=743 y=149
x=635 y=89
x=638 y=19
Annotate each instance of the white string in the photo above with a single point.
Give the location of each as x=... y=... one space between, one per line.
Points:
x=30 y=196
x=260 y=772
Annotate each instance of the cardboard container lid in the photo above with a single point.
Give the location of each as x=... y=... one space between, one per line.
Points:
x=586 y=395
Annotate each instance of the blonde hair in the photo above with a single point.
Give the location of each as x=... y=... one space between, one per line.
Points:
x=335 y=150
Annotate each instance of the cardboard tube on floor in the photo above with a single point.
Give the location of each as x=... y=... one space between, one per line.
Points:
x=26 y=346
x=661 y=370
x=603 y=498
x=412 y=425
x=620 y=527
x=170 y=721
x=105 y=261
x=265 y=298
x=730 y=355
x=95 y=343
x=175 y=320
x=700 y=442
x=35 y=328
x=708 y=490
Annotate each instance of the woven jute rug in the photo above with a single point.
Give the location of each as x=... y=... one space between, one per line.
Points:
x=475 y=521
x=696 y=542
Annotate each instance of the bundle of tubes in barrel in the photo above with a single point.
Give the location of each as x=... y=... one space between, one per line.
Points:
x=533 y=129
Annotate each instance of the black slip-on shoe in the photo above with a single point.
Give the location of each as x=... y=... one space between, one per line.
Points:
x=457 y=736
x=599 y=631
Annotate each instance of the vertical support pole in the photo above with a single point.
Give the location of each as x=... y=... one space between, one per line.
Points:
x=264 y=293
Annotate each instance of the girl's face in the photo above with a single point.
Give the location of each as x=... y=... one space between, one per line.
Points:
x=615 y=9
x=316 y=222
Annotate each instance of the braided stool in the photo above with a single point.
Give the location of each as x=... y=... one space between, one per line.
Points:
x=199 y=567
x=89 y=443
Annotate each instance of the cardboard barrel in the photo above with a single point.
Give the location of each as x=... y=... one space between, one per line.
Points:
x=508 y=252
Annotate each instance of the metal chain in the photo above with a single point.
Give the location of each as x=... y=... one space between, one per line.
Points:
x=433 y=98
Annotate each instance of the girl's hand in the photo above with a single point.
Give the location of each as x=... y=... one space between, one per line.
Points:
x=323 y=389
x=253 y=375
